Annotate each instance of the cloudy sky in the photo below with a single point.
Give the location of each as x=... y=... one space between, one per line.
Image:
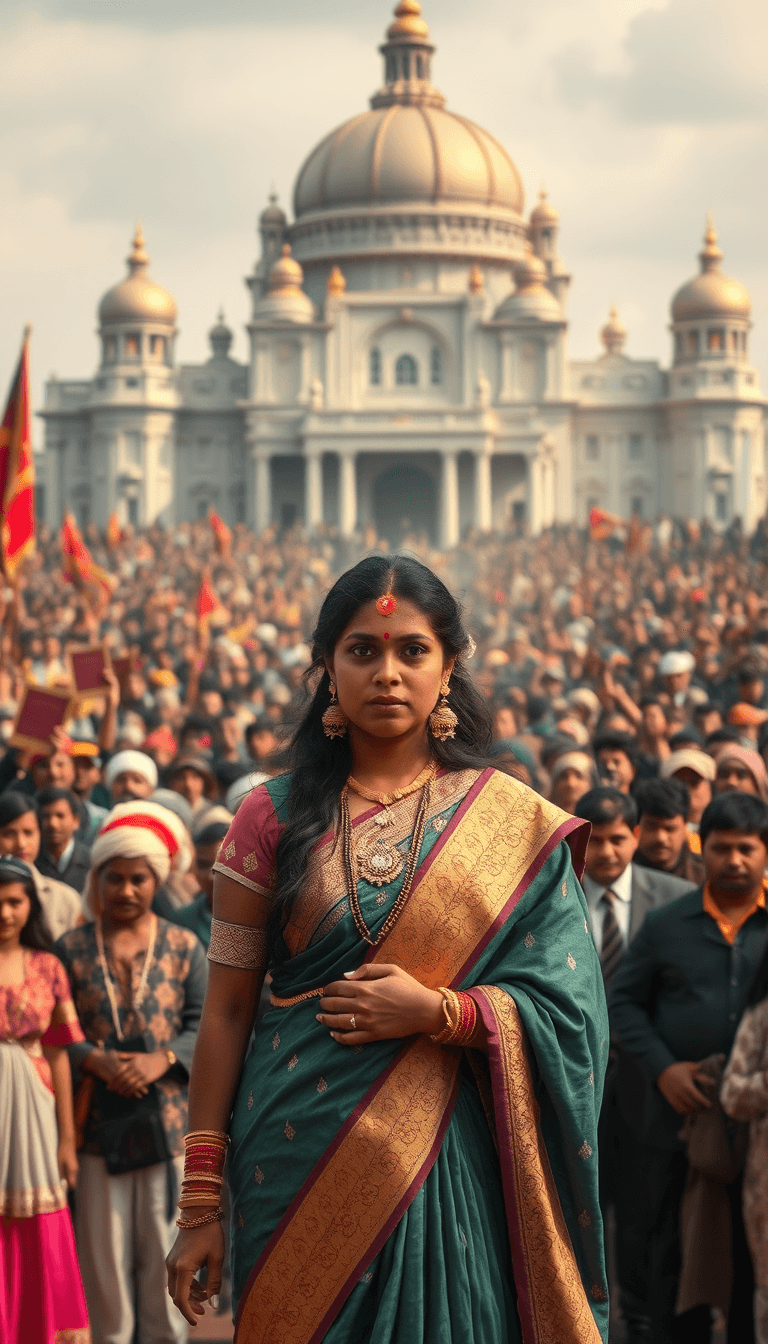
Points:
x=640 y=115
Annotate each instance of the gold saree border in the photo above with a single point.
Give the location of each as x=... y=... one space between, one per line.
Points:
x=386 y=1148
x=495 y=844
x=470 y=883
x=552 y=1301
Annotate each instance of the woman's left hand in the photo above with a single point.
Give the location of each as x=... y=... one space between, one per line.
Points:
x=138 y=1072
x=68 y=1163
x=386 y=1003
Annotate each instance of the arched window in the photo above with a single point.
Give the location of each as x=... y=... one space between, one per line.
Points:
x=406 y=371
x=436 y=364
x=374 y=367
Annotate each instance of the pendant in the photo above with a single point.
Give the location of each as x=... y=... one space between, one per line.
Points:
x=384 y=818
x=379 y=863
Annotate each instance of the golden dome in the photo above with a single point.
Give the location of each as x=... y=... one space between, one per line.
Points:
x=614 y=333
x=408 y=22
x=544 y=212
x=711 y=294
x=138 y=298
x=286 y=273
x=531 y=297
x=285 y=300
x=336 y=281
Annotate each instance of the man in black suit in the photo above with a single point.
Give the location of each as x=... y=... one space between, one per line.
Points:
x=620 y=895
x=677 y=999
x=62 y=856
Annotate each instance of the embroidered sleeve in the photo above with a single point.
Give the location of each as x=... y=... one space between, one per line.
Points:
x=64 y=1027
x=248 y=850
x=744 y=1094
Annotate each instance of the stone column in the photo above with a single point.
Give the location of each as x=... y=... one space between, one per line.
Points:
x=483 y=505
x=313 y=491
x=449 y=501
x=347 y=494
x=535 y=493
x=263 y=491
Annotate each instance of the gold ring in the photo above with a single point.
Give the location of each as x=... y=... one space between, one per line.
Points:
x=352 y=1023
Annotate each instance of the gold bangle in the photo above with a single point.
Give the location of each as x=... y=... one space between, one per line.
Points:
x=203 y=1221
x=450 y=1002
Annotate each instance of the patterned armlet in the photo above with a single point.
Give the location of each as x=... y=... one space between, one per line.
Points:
x=238 y=945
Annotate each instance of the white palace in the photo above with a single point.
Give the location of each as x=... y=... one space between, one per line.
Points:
x=409 y=360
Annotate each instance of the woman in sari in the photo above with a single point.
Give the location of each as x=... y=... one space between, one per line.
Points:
x=41 y=1294
x=413 y=1134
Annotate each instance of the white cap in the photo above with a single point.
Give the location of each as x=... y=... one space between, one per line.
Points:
x=676 y=661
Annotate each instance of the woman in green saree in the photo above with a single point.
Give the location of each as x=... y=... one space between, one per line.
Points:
x=413 y=1133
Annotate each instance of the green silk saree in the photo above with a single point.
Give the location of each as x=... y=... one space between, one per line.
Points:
x=409 y=1193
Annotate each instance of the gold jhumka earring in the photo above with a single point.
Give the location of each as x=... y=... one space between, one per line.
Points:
x=334 y=718
x=442 y=721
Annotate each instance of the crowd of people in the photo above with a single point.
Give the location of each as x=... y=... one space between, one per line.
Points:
x=627 y=681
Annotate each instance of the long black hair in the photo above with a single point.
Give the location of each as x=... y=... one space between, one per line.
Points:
x=320 y=766
x=35 y=933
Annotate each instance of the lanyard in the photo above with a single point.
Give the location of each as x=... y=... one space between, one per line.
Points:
x=141 y=989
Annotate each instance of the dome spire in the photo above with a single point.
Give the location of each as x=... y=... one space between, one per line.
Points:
x=407 y=54
x=710 y=255
x=138 y=258
x=614 y=333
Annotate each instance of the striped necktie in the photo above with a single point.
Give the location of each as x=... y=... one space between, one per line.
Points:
x=613 y=944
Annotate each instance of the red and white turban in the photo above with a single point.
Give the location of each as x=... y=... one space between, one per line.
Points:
x=143 y=830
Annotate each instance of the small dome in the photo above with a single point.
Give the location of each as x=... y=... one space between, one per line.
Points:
x=531 y=297
x=220 y=337
x=711 y=294
x=138 y=298
x=408 y=22
x=544 y=213
x=285 y=300
x=614 y=333
x=273 y=213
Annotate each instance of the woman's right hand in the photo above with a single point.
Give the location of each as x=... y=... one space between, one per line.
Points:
x=193 y=1248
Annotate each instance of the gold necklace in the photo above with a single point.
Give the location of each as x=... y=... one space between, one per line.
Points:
x=379 y=862
x=386 y=800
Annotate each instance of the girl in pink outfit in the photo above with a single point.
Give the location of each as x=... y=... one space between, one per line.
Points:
x=41 y=1293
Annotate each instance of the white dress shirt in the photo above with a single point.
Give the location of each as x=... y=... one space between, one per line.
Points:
x=622 y=906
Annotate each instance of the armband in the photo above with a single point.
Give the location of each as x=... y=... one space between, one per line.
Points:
x=238 y=945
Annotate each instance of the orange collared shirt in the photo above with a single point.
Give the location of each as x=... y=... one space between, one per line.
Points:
x=730 y=927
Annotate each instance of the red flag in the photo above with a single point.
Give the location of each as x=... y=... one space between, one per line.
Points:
x=602 y=524
x=79 y=568
x=17 y=471
x=114 y=532
x=207 y=604
x=221 y=533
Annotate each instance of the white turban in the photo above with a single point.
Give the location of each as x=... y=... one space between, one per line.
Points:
x=142 y=830
x=137 y=761
x=677 y=660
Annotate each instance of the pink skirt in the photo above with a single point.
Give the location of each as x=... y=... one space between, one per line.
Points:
x=41 y=1292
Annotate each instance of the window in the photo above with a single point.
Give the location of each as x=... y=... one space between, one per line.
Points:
x=436 y=365
x=406 y=371
x=721 y=506
x=110 y=349
x=592 y=447
x=636 y=506
x=133 y=345
x=157 y=347
x=715 y=340
x=133 y=511
x=131 y=382
x=202 y=508
x=635 y=446
x=692 y=343
x=374 y=367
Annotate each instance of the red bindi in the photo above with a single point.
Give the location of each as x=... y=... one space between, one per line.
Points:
x=386 y=636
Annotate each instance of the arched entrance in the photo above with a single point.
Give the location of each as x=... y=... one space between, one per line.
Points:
x=404 y=503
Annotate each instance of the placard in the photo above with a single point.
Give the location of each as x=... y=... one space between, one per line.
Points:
x=40 y=711
x=87 y=668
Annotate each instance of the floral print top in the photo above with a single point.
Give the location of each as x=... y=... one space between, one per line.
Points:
x=40 y=1010
x=167 y=1019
